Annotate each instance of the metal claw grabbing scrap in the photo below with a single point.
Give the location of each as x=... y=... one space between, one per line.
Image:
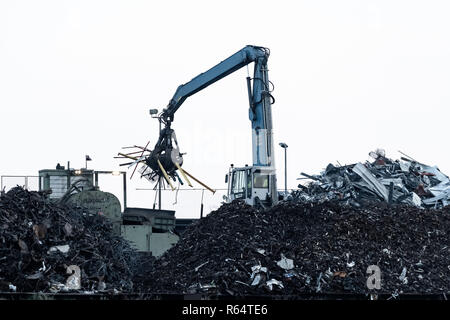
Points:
x=166 y=158
x=163 y=161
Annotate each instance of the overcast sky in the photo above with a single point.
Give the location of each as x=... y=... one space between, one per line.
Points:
x=78 y=77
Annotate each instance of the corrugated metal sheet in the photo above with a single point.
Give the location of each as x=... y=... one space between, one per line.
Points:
x=58 y=185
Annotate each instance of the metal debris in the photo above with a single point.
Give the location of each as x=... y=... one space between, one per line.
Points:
x=258 y=274
x=261 y=251
x=40 y=238
x=393 y=181
x=403 y=277
x=318 y=238
x=285 y=263
x=273 y=282
x=197 y=268
x=64 y=249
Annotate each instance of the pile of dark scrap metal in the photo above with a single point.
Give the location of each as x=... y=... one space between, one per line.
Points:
x=299 y=248
x=400 y=181
x=51 y=248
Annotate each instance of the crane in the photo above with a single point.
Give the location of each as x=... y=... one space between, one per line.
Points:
x=255 y=184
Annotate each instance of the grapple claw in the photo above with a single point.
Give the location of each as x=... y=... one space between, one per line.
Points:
x=167 y=152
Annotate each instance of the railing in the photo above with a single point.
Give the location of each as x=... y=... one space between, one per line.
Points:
x=28 y=182
x=189 y=202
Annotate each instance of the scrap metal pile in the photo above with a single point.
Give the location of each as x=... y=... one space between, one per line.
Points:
x=400 y=181
x=297 y=248
x=50 y=247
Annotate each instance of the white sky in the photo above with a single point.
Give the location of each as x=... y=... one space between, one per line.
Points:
x=78 y=77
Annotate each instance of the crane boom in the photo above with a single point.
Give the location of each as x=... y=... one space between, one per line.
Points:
x=259 y=98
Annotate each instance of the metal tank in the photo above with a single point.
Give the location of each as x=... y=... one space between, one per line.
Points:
x=147 y=230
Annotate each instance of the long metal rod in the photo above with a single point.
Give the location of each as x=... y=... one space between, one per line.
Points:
x=182 y=173
x=159 y=178
x=16 y=176
x=191 y=189
x=159 y=193
x=96 y=179
x=127 y=156
x=181 y=189
x=285 y=171
x=198 y=181
x=165 y=174
x=124 y=190
x=134 y=152
x=201 y=206
x=139 y=157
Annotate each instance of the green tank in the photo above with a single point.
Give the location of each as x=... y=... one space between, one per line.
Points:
x=100 y=202
x=147 y=230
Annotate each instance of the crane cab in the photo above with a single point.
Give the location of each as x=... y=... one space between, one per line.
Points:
x=256 y=185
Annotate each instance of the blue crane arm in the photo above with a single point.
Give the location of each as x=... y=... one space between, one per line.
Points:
x=235 y=62
x=260 y=99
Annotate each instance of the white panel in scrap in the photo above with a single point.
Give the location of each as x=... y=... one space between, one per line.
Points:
x=370 y=179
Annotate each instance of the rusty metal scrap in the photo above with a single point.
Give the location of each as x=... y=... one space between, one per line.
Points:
x=42 y=243
x=298 y=248
x=394 y=181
